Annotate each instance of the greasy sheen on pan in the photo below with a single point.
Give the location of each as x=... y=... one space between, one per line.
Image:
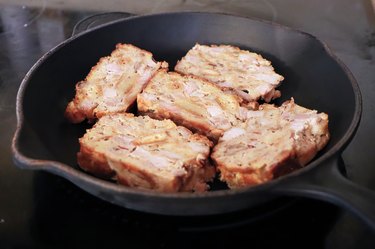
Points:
x=241 y=72
x=142 y=152
x=192 y=102
x=113 y=84
x=272 y=142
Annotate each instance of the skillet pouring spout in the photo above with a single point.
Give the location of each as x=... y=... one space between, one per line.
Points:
x=327 y=183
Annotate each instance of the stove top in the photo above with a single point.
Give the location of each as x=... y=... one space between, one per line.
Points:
x=78 y=216
x=40 y=210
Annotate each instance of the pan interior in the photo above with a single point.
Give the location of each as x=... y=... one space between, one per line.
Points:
x=312 y=77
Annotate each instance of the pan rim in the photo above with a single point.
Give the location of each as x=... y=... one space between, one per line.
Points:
x=63 y=170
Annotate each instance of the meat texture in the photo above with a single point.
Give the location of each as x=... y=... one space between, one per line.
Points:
x=192 y=102
x=146 y=153
x=272 y=141
x=113 y=84
x=241 y=72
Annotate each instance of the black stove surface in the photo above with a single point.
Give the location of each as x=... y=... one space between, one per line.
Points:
x=40 y=210
x=73 y=216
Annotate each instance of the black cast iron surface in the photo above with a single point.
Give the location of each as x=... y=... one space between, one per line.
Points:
x=45 y=203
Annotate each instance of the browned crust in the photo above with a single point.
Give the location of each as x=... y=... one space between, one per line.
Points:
x=94 y=162
x=198 y=176
x=199 y=172
x=237 y=177
x=194 y=125
x=130 y=175
x=75 y=115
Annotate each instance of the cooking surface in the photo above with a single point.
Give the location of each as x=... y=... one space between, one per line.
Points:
x=38 y=209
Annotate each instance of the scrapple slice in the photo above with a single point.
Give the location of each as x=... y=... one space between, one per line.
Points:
x=146 y=153
x=113 y=84
x=192 y=102
x=272 y=142
x=241 y=72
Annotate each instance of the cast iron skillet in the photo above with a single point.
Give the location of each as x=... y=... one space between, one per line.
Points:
x=44 y=140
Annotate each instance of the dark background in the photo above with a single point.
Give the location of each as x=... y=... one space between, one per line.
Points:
x=40 y=210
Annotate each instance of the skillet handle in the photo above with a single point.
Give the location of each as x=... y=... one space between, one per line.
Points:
x=327 y=183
